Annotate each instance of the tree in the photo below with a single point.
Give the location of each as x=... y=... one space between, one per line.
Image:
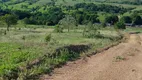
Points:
x=126 y=19
x=53 y=2
x=10 y=20
x=68 y=22
x=112 y=19
x=137 y=20
x=55 y=14
x=120 y=25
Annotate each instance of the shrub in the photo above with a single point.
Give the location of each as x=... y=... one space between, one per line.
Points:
x=120 y=25
x=91 y=31
x=103 y=24
x=23 y=37
x=48 y=38
x=58 y=29
x=119 y=58
x=5 y=32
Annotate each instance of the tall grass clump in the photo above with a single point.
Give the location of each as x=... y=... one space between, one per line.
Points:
x=23 y=38
x=48 y=38
x=3 y=32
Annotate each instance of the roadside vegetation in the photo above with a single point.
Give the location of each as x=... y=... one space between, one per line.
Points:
x=29 y=53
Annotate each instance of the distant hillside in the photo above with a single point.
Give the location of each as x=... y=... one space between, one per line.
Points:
x=42 y=1
x=123 y=0
x=134 y=2
x=34 y=4
x=64 y=1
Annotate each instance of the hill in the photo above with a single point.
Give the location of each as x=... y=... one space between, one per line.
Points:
x=28 y=4
x=124 y=0
x=64 y=1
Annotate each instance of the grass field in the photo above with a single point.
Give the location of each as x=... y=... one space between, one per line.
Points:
x=133 y=29
x=24 y=53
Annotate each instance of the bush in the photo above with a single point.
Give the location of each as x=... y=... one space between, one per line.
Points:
x=58 y=29
x=120 y=25
x=23 y=38
x=91 y=31
x=48 y=38
x=103 y=24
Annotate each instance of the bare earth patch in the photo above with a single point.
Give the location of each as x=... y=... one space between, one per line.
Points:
x=104 y=66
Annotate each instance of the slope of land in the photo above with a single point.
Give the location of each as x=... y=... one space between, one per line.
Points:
x=27 y=5
x=123 y=0
x=122 y=62
x=33 y=3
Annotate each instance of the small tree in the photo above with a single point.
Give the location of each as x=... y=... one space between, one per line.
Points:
x=68 y=22
x=10 y=20
x=120 y=25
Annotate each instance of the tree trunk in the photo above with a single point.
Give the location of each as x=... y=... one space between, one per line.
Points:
x=68 y=29
x=8 y=27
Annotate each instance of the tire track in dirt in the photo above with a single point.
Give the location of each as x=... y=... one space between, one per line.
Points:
x=122 y=62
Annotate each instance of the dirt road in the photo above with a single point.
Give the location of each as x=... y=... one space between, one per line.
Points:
x=122 y=62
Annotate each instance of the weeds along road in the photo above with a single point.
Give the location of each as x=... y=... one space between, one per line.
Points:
x=122 y=62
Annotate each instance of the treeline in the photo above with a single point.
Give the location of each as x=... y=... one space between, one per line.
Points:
x=55 y=14
x=3 y=12
x=82 y=12
x=52 y=17
x=19 y=1
x=137 y=2
x=101 y=7
x=132 y=20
